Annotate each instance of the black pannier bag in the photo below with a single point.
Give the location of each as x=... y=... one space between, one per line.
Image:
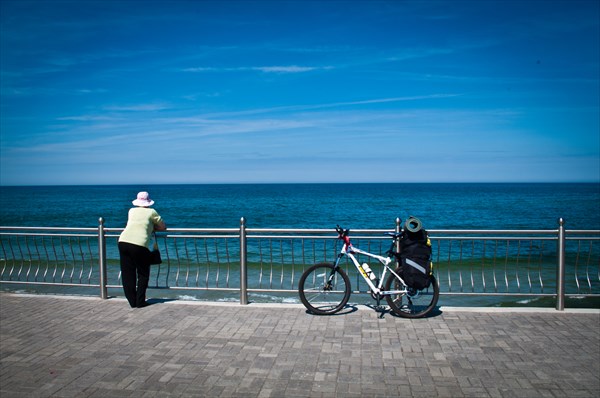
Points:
x=414 y=258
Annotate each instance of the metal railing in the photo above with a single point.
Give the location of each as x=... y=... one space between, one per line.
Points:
x=486 y=264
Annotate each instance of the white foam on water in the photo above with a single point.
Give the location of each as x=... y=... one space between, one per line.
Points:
x=188 y=298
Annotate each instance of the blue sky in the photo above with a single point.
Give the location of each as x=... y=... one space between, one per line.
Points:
x=132 y=92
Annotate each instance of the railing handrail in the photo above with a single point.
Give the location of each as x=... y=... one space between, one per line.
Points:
x=14 y=228
x=200 y=230
x=313 y=230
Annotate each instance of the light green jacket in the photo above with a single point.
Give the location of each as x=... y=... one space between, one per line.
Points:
x=140 y=225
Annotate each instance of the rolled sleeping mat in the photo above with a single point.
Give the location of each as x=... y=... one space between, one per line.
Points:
x=413 y=224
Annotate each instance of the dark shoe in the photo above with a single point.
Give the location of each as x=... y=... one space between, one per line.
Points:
x=144 y=304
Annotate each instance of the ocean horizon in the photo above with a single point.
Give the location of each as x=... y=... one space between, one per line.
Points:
x=307 y=183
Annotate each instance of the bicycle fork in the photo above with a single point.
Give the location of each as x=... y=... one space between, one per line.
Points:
x=329 y=283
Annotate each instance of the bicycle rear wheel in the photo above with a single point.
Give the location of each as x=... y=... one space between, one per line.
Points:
x=320 y=295
x=415 y=303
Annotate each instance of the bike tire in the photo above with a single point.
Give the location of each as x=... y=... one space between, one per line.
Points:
x=316 y=296
x=414 y=303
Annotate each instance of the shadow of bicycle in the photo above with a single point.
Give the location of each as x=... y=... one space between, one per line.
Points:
x=434 y=312
x=348 y=309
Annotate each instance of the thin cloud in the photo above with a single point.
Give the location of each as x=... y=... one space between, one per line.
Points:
x=331 y=105
x=85 y=118
x=286 y=69
x=137 y=108
x=264 y=69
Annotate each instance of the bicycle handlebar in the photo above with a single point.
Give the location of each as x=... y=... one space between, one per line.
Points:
x=343 y=234
x=341 y=231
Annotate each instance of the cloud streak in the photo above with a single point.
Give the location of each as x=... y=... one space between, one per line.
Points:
x=264 y=69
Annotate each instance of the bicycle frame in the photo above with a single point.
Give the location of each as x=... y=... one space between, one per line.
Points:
x=349 y=251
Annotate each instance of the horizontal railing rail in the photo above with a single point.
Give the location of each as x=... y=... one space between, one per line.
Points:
x=552 y=264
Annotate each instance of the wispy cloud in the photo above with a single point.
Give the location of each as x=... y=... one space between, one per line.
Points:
x=286 y=69
x=85 y=118
x=307 y=107
x=24 y=90
x=137 y=108
x=265 y=69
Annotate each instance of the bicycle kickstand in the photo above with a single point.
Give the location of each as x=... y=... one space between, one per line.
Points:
x=380 y=308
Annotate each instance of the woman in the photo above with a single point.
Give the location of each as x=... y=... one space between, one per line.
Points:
x=134 y=249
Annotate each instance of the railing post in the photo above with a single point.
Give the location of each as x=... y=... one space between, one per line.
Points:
x=243 y=264
x=102 y=259
x=560 y=271
x=398 y=229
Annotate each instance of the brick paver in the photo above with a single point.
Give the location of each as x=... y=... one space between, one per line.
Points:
x=55 y=346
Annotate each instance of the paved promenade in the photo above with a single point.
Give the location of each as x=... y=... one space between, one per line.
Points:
x=57 y=346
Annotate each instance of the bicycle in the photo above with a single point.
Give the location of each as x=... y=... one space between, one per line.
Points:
x=325 y=289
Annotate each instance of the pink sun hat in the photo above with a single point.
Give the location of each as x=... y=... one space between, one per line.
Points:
x=143 y=200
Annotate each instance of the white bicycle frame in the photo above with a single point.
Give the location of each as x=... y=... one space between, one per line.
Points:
x=349 y=251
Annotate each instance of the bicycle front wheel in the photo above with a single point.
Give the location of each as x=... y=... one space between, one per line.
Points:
x=414 y=303
x=323 y=289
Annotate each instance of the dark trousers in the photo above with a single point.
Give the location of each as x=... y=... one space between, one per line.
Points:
x=135 y=272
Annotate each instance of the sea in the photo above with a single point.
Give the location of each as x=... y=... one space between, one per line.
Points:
x=313 y=206
x=354 y=206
